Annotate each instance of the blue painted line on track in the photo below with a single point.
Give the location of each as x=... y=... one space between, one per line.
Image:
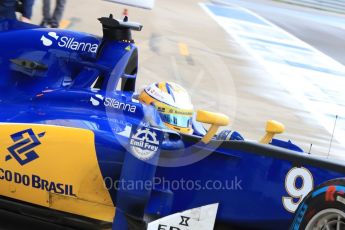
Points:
x=277 y=43
x=234 y=13
x=315 y=68
x=239 y=14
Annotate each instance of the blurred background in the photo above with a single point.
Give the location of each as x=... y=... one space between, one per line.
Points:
x=253 y=60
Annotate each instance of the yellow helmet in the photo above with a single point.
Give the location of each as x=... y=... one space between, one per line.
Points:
x=172 y=102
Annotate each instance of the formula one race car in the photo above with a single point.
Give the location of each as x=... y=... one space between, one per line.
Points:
x=78 y=149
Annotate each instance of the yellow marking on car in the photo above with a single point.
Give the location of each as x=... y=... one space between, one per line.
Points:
x=65 y=24
x=54 y=167
x=162 y=86
x=184 y=51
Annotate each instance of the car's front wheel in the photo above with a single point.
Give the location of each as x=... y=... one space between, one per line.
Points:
x=327 y=219
x=323 y=208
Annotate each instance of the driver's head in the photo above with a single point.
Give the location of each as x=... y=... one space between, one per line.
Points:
x=173 y=104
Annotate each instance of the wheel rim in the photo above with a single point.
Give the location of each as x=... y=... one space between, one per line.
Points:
x=329 y=219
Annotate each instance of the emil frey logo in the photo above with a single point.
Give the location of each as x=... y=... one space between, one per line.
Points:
x=144 y=143
x=23 y=149
x=68 y=43
x=108 y=102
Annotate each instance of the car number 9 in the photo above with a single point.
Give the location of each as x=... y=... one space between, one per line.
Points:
x=296 y=194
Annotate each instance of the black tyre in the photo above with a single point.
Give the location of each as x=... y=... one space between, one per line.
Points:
x=323 y=208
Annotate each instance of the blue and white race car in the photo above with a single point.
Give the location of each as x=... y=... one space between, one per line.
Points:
x=78 y=149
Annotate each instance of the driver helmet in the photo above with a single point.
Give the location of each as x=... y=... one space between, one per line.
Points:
x=173 y=104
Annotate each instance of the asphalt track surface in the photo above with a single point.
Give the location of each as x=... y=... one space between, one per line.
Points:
x=181 y=43
x=323 y=30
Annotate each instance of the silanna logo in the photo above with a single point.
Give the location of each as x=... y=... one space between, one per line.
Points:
x=23 y=149
x=113 y=103
x=96 y=100
x=144 y=143
x=68 y=43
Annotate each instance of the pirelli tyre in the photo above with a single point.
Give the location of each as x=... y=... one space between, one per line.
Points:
x=323 y=208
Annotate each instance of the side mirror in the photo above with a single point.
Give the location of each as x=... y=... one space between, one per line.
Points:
x=272 y=128
x=214 y=119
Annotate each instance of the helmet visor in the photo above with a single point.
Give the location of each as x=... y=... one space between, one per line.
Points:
x=177 y=120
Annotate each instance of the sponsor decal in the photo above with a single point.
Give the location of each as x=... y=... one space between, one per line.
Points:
x=36 y=182
x=184 y=221
x=155 y=92
x=202 y=218
x=175 y=111
x=23 y=149
x=329 y=195
x=341 y=199
x=96 y=100
x=183 y=112
x=113 y=103
x=144 y=143
x=47 y=41
x=68 y=43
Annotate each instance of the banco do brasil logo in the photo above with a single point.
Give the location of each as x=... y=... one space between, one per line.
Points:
x=23 y=149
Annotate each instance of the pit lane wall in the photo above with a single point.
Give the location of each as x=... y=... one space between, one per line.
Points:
x=336 y=6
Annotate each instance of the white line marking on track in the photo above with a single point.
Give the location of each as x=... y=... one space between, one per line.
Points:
x=314 y=79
